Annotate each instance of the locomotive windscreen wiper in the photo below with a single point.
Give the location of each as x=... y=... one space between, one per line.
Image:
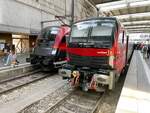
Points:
x=98 y=45
x=87 y=44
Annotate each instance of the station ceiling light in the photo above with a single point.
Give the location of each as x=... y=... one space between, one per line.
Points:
x=148 y=28
x=140 y=3
x=137 y=22
x=140 y=26
x=112 y=7
x=136 y=15
x=139 y=29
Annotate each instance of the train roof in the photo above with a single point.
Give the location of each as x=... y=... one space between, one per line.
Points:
x=48 y=27
x=98 y=18
x=102 y=18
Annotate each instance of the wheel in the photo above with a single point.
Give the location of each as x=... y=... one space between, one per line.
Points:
x=47 y=68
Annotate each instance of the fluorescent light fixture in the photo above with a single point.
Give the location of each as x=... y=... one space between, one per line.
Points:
x=139 y=29
x=136 y=15
x=110 y=4
x=113 y=7
x=136 y=22
x=140 y=3
x=140 y=26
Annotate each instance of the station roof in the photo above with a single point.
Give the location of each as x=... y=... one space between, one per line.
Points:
x=134 y=14
x=101 y=1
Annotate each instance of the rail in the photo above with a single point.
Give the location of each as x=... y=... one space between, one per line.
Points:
x=77 y=102
x=21 y=80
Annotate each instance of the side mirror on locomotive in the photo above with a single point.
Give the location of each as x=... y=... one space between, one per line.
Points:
x=50 y=48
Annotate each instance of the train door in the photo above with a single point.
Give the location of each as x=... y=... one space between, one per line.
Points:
x=121 y=52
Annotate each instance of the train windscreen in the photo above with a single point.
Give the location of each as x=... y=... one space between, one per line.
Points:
x=47 y=36
x=50 y=33
x=98 y=33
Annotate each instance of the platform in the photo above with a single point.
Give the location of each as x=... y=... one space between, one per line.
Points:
x=20 y=57
x=135 y=95
x=7 y=72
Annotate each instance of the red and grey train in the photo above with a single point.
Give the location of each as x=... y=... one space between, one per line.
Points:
x=97 y=52
x=50 y=49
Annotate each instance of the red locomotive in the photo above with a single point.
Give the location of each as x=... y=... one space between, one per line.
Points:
x=50 y=49
x=97 y=53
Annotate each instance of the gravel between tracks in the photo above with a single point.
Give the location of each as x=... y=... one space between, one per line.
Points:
x=20 y=98
x=47 y=102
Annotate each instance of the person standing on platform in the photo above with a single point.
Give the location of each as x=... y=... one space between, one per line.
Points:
x=144 y=49
x=12 y=57
x=148 y=51
x=33 y=46
x=8 y=60
x=6 y=52
x=14 y=60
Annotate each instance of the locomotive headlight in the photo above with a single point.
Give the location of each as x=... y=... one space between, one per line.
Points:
x=54 y=51
x=111 y=61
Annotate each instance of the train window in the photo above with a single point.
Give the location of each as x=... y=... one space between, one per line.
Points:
x=102 y=35
x=101 y=31
x=123 y=37
x=120 y=37
x=79 y=33
x=50 y=33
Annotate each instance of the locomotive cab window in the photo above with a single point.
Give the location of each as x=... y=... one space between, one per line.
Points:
x=50 y=33
x=79 y=33
x=102 y=34
x=47 y=36
x=96 y=32
x=123 y=38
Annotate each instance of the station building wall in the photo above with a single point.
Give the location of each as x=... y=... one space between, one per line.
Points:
x=24 y=16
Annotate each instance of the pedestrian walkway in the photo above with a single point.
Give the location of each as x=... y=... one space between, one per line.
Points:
x=148 y=62
x=135 y=95
x=20 y=57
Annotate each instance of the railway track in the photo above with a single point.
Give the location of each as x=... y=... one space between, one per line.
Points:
x=66 y=100
x=21 y=80
x=77 y=102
